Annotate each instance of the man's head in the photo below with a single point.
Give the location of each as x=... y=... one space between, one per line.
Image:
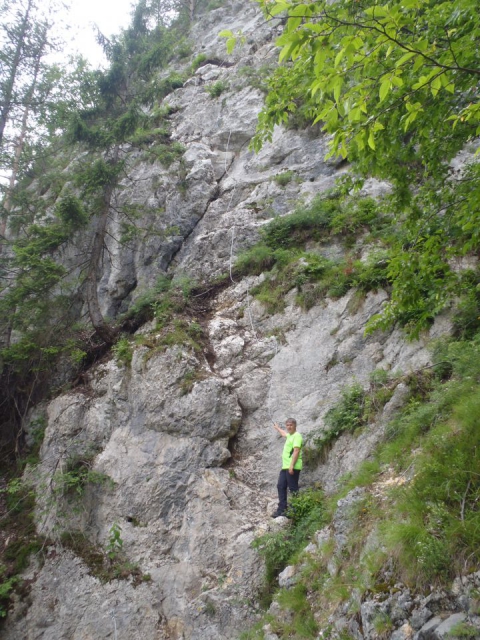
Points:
x=291 y=425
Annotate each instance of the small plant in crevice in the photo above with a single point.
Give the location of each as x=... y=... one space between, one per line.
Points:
x=284 y=178
x=77 y=475
x=106 y=565
x=123 y=351
x=462 y=631
x=198 y=61
x=189 y=379
x=115 y=542
x=215 y=90
x=301 y=621
x=382 y=624
x=209 y=608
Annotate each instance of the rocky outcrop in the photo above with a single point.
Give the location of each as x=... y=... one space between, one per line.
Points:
x=188 y=471
x=393 y=610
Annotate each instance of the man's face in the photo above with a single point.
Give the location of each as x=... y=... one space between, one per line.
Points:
x=290 y=427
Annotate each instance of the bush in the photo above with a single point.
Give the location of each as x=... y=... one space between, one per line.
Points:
x=215 y=90
x=6 y=588
x=78 y=474
x=198 y=61
x=304 y=224
x=169 y=84
x=166 y=154
x=354 y=215
x=282 y=179
x=255 y=261
x=347 y=415
x=123 y=351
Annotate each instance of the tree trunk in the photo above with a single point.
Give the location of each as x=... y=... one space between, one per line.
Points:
x=13 y=71
x=20 y=140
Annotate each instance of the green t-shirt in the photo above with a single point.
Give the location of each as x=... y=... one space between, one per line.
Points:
x=292 y=442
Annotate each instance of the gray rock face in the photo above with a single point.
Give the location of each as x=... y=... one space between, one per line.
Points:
x=193 y=471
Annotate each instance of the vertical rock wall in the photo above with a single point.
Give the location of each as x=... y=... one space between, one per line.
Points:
x=188 y=509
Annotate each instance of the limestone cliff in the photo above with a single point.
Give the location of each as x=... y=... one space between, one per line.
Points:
x=193 y=468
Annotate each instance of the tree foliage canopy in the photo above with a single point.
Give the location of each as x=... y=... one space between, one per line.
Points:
x=396 y=86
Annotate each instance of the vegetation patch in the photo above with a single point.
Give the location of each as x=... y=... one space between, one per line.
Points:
x=283 y=257
x=106 y=565
x=307 y=512
x=420 y=499
x=77 y=475
x=356 y=408
x=215 y=90
x=284 y=178
x=18 y=538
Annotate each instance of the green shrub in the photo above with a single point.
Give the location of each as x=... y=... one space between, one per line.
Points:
x=284 y=178
x=346 y=416
x=123 y=351
x=255 y=261
x=372 y=274
x=166 y=154
x=77 y=475
x=355 y=214
x=198 y=61
x=183 y=50
x=301 y=622
x=309 y=223
x=18 y=528
x=169 y=84
x=215 y=90
x=271 y=295
x=6 y=588
x=463 y=631
x=182 y=333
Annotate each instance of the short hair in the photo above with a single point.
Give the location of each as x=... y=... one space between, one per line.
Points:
x=291 y=421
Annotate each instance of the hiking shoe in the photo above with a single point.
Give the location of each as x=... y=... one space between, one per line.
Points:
x=278 y=514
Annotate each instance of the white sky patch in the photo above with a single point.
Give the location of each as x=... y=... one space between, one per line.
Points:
x=110 y=16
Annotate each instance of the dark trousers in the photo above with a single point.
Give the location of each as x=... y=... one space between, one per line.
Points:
x=286 y=481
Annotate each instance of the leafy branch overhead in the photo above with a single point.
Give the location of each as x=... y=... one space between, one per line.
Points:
x=395 y=85
x=363 y=62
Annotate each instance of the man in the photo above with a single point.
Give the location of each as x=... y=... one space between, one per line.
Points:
x=291 y=464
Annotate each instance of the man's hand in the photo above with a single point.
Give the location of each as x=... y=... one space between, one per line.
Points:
x=296 y=453
x=280 y=431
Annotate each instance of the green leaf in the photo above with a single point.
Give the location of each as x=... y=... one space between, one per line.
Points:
x=435 y=86
x=405 y=58
x=293 y=23
x=384 y=89
x=371 y=140
x=338 y=57
x=277 y=8
x=337 y=88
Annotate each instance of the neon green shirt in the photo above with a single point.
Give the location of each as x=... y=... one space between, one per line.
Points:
x=292 y=442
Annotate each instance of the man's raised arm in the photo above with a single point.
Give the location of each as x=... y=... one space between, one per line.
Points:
x=280 y=431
